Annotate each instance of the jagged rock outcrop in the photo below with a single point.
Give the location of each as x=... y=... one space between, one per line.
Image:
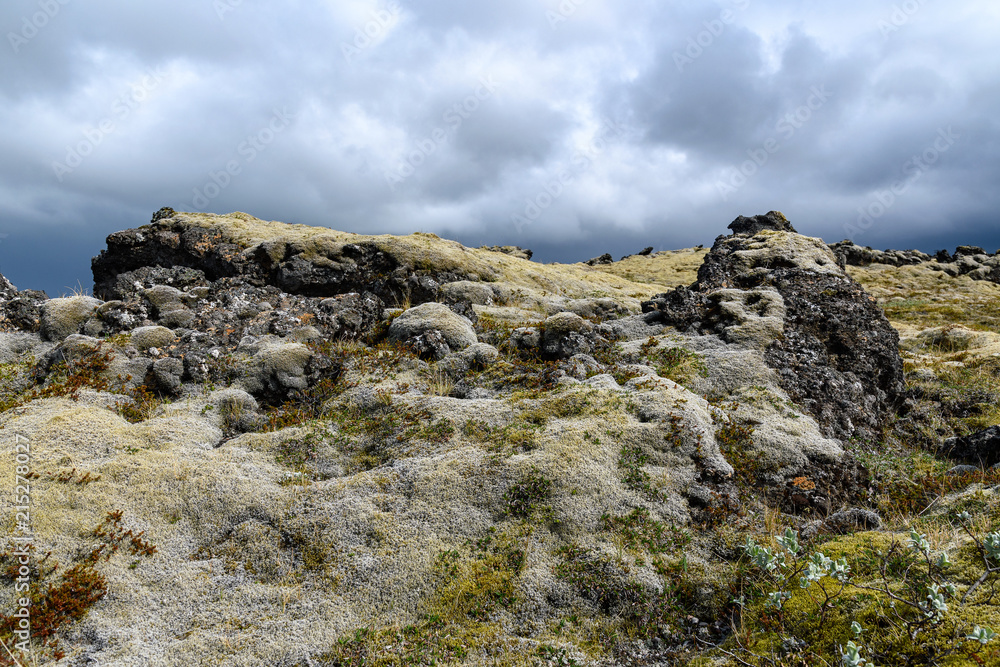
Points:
x=851 y=254
x=971 y=261
x=773 y=220
x=20 y=310
x=832 y=347
x=606 y=258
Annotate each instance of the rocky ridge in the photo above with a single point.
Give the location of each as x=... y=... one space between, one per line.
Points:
x=971 y=261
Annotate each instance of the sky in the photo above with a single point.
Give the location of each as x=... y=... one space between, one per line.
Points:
x=571 y=127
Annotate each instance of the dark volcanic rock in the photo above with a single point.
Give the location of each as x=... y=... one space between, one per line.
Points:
x=683 y=308
x=430 y=345
x=981 y=448
x=645 y=252
x=183 y=249
x=839 y=357
x=773 y=220
x=836 y=354
x=143 y=278
x=19 y=311
x=7 y=289
x=851 y=254
x=969 y=250
x=606 y=258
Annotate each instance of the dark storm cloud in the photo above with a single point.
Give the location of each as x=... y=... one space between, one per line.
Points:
x=558 y=124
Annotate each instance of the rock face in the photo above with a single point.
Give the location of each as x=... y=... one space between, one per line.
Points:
x=19 y=310
x=830 y=344
x=187 y=248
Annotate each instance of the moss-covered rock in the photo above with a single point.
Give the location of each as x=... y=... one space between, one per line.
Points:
x=456 y=330
x=144 y=338
x=65 y=316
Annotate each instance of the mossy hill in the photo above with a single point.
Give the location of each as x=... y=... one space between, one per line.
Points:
x=271 y=444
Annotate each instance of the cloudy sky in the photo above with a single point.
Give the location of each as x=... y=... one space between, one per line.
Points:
x=572 y=127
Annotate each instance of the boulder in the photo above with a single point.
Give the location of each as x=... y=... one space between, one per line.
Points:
x=851 y=520
x=65 y=316
x=170 y=305
x=275 y=369
x=773 y=220
x=144 y=338
x=981 y=448
x=167 y=374
x=567 y=334
x=606 y=258
x=72 y=348
x=455 y=330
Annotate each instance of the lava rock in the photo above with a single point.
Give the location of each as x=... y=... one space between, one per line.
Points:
x=567 y=334
x=317 y=265
x=167 y=374
x=981 y=448
x=430 y=344
x=606 y=258
x=20 y=311
x=455 y=330
x=144 y=338
x=850 y=254
x=63 y=317
x=835 y=353
x=774 y=220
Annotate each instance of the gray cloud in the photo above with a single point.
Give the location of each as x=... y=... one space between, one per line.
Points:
x=112 y=109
